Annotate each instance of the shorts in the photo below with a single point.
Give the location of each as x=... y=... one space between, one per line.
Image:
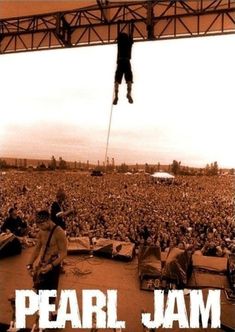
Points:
x=123 y=68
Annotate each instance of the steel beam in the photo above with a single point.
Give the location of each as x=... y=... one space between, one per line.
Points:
x=100 y=23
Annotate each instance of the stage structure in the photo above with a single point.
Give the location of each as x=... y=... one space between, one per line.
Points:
x=100 y=23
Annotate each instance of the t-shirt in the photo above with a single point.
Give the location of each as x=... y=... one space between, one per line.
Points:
x=58 y=220
x=15 y=226
x=124 y=47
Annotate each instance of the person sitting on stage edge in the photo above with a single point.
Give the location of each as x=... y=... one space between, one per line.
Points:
x=14 y=224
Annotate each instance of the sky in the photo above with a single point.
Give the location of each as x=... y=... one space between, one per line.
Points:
x=59 y=102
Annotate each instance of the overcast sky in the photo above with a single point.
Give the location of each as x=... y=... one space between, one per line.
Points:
x=59 y=102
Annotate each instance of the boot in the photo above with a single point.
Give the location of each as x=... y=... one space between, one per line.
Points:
x=129 y=84
x=115 y=101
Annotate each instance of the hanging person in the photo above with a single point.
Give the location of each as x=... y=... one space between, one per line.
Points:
x=124 y=43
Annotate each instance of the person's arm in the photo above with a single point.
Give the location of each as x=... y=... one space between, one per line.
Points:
x=61 y=245
x=36 y=251
x=4 y=227
x=64 y=213
x=24 y=224
x=131 y=40
x=204 y=248
x=54 y=210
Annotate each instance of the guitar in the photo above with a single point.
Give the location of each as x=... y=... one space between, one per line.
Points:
x=39 y=276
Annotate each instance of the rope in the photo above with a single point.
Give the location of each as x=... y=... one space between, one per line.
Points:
x=107 y=143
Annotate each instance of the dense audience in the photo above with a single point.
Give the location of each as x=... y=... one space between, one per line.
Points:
x=192 y=212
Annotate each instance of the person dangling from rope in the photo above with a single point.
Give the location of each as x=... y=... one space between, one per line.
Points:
x=124 y=43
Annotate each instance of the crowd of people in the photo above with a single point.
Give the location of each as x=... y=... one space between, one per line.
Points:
x=194 y=212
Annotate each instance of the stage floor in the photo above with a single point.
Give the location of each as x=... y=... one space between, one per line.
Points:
x=83 y=272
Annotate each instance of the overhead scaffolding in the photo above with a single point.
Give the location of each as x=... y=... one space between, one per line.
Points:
x=99 y=24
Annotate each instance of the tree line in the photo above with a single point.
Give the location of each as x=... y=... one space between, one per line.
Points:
x=175 y=167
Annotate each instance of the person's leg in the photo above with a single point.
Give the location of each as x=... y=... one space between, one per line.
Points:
x=129 y=80
x=129 y=86
x=53 y=284
x=50 y=281
x=116 y=86
x=118 y=80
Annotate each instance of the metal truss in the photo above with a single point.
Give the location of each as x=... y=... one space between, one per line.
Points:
x=99 y=24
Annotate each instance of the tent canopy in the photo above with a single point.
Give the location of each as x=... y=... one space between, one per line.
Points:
x=162 y=175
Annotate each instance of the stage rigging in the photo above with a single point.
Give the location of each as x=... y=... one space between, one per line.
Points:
x=99 y=24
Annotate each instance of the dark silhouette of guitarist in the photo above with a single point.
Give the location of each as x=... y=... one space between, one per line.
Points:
x=57 y=211
x=51 y=249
